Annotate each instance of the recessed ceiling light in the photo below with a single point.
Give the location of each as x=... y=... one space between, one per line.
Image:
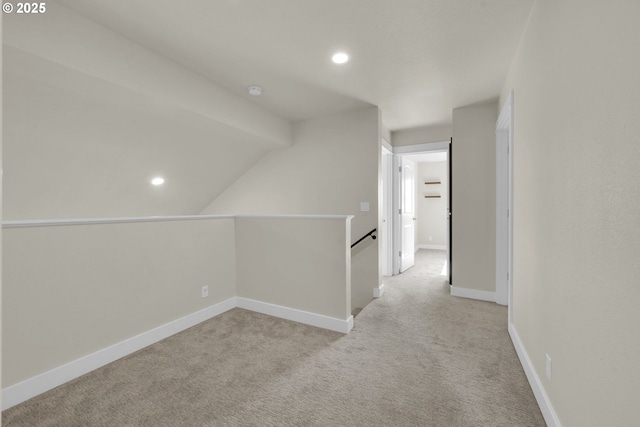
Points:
x=255 y=90
x=157 y=180
x=340 y=58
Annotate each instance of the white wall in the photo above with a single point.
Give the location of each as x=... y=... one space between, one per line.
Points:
x=576 y=203
x=1 y=196
x=79 y=295
x=474 y=197
x=72 y=290
x=421 y=135
x=302 y=264
x=431 y=224
x=385 y=133
x=331 y=168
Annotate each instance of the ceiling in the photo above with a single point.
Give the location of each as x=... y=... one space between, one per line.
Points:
x=415 y=59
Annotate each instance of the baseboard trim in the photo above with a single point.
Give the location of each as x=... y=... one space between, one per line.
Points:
x=432 y=247
x=379 y=291
x=473 y=294
x=296 y=315
x=48 y=380
x=549 y=414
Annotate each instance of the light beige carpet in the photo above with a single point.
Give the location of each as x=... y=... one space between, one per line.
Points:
x=416 y=357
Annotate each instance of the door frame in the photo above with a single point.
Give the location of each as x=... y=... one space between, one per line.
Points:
x=504 y=206
x=386 y=225
x=407 y=259
x=398 y=152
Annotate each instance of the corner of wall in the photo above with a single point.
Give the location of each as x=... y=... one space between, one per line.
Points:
x=474 y=197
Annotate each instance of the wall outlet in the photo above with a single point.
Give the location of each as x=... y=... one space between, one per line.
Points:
x=205 y=291
x=548 y=367
x=431 y=238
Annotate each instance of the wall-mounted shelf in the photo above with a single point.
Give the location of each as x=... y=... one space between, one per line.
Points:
x=432 y=196
x=432 y=182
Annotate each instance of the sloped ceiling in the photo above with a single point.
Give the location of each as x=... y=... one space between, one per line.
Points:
x=101 y=95
x=90 y=117
x=415 y=59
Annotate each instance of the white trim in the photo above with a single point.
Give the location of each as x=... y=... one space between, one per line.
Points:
x=128 y=220
x=432 y=247
x=539 y=392
x=504 y=205
x=313 y=217
x=48 y=380
x=386 y=227
x=473 y=294
x=296 y=315
x=395 y=221
x=379 y=291
x=95 y=221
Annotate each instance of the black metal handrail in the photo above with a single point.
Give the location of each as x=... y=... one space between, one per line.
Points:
x=374 y=237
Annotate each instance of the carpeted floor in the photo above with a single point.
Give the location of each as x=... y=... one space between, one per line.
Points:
x=416 y=357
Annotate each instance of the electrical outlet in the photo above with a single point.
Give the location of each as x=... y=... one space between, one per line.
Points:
x=549 y=367
x=205 y=291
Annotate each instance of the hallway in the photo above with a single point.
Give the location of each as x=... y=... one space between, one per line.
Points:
x=417 y=356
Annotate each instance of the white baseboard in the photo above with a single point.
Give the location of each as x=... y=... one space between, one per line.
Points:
x=46 y=381
x=432 y=247
x=300 y=316
x=379 y=291
x=544 y=403
x=34 y=386
x=473 y=294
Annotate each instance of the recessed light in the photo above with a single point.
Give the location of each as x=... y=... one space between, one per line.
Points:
x=340 y=58
x=157 y=180
x=255 y=90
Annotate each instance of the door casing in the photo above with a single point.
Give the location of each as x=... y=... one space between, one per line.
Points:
x=504 y=206
x=407 y=213
x=386 y=224
x=398 y=152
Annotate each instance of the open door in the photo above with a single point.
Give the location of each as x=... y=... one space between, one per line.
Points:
x=407 y=214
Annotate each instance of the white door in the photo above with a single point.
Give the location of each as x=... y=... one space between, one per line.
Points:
x=407 y=214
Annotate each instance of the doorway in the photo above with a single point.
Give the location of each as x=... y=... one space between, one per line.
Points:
x=419 y=203
x=428 y=200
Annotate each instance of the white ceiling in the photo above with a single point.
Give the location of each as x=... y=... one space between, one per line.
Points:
x=415 y=59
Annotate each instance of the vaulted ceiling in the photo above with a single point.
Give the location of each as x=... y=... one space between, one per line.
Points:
x=102 y=95
x=415 y=59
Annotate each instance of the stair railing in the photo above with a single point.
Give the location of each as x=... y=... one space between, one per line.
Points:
x=373 y=236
